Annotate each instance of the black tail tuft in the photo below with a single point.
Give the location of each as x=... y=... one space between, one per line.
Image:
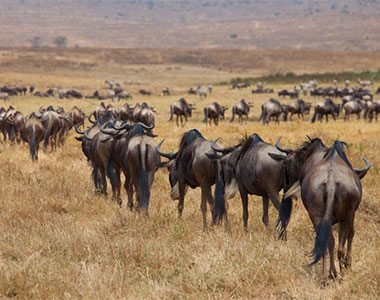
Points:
x=284 y=216
x=322 y=239
x=219 y=209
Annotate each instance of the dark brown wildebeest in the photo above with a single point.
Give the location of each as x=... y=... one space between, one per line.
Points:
x=144 y=113
x=165 y=91
x=134 y=151
x=32 y=132
x=18 y=121
x=273 y=109
x=67 y=124
x=331 y=192
x=373 y=109
x=52 y=122
x=2 y=127
x=7 y=124
x=352 y=107
x=241 y=109
x=192 y=91
x=126 y=112
x=77 y=115
x=181 y=108
x=299 y=107
x=191 y=167
x=247 y=168
x=98 y=113
x=213 y=112
x=326 y=108
x=145 y=92
x=291 y=94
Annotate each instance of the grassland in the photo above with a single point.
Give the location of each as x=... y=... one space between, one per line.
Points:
x=59 y=239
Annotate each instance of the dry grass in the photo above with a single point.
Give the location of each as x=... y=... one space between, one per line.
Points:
x=61 y=240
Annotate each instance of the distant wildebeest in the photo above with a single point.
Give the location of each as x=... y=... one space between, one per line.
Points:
x=299 y=107
x=203 y=91
x=4 y=96
x=124 y=95
x=7 y=124
x=365 y=83
x=77 y=115
x=291 y=94
x=145 y=92
x=241 y=85
x=32 y=132
x=190 y=166
x=213 y=112
x=181 y=108
x=326 y=108
x=52 y=123
x=273 y=109
x=241 y=109
x=331 y=192
x=352 y=107
x=373 y=109
x=247 y=168
x=165 y=91
x=126 y=112
x=143 y=113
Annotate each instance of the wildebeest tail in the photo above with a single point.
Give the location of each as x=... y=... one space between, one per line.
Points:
x=263 y=115
x=219 y=210
x=12 y=133
x=284 y=216
x=171 y=113
x=206 y=115
x=324 y=228
x=143 y=177
x=313 y=119
x=233 y=115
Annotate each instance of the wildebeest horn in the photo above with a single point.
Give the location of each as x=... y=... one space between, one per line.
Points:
x=89 y=118
x=285 y=150
x=363 y=172
x=221 y=150
x=169 y=156
x=309 y=138
x=77 y=129
x=41 y=109
x=124 y=126
x=108 y=130
x=145 y=126
x=87 y=136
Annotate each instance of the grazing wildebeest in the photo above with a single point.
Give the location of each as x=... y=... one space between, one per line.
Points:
x=165 y=91
x=191 y=167
x=291 y=94
x=123 y=95
x=331 y=192
x=213 y=112
x=352 y=107
x=181 y=108
x=241 y=85
x=326 y=108
x=373 y=109
x=192 y=91
x=202 y=91
x=144 y=92
x=4 y=96
x=241 y=109
x=299 y=107
x=273 y=109
x=32 y=132
x=247 y=168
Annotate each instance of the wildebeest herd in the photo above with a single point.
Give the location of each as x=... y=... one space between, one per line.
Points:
x=121 y=141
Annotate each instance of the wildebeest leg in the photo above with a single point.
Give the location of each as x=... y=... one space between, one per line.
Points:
x=333 y=273
x=181 y=120
x=204 y=207
x=185 y=120
x=129 y=189
x=244 y=201
x=177 y=120
x=182 y=190
x=343 y=234
x=265 y=217
x=348 y=259
x=104 y=181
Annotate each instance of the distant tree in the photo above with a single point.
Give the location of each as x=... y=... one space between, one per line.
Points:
x=60 y=41
x=36 y=41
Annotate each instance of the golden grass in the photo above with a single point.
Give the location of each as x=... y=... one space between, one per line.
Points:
x=61 y=240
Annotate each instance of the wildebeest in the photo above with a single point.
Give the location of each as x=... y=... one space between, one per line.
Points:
x=299 y=107
x=213 y=112
x=352 y=107
x=373 y=109
x=52 y=123
x=145 y=92
x=143 y=113
x=247 y=168
x=326 y=108
x=77 y=115
x=32 y=132
x=181 y=108
x=241 y=109
x=4 y=96
x=291 y=94
x=240 y=85
x=135 y=153
x=7 y=124
x=273 y=109
x=365 y=83
x=190 y=166
x=165 y=91
x=331 y=192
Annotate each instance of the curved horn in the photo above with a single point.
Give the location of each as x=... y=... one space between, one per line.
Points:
x=89 y=118
x=86 y=135
x=77 y=129
x=169 y=156
x=124 y=126
x=309 y=138
x=221 y=150
x=285 y=150
x=41 y=109
x=108 y=131
x=362 y=172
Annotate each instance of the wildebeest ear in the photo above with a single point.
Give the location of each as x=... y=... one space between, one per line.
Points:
x=277 y=157
x=213 y=156
x=162 y=164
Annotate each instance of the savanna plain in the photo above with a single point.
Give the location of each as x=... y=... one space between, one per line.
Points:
x=60 y=239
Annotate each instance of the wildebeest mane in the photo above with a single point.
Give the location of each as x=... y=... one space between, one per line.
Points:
x=338 y=148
